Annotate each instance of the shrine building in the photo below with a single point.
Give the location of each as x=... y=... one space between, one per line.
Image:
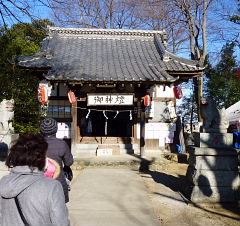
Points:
x=112 y=91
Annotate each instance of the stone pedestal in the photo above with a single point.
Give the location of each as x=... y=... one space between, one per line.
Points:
x=213 y=169
x=214 y=175
x=6 y=140
x=213 y=140
x=7 y=135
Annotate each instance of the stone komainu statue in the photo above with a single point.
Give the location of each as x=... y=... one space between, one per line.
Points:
x=6 y=115
x=214 y=119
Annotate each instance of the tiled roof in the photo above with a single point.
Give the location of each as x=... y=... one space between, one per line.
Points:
x=83 y=54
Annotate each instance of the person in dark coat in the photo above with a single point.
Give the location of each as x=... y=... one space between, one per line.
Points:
x=58 y=150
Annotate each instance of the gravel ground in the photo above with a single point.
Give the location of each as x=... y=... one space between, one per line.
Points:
x=172 y=208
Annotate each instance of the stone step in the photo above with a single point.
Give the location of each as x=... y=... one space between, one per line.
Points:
x=123 y=160
x=92 y=148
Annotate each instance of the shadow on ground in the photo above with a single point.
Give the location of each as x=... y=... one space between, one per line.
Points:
x=181 y=185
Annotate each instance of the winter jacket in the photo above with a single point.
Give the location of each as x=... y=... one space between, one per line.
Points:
x=41 y=199
x=60 y=152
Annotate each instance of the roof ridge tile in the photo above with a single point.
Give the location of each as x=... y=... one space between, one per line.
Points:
x=98 y=31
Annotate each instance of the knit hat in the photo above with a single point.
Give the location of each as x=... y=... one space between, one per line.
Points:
x=48 y=126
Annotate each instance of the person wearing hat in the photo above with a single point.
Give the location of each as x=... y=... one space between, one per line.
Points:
x=58 y=150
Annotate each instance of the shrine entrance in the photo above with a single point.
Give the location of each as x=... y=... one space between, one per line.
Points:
x=106 y=123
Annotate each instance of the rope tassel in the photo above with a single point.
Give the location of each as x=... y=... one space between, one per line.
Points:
x=88 y=113
x=105 y=129
x=130 y=115
x=116 y=115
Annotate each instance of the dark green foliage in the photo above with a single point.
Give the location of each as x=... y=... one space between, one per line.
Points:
x=223 y=80
x=236 y=18
x=188 y=109
x=21 y=39
x=222 y=83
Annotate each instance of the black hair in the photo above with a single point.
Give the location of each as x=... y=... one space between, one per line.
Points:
x=29 y=149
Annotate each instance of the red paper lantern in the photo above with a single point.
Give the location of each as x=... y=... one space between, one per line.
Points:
x=42 y=94
x=178 y=92
x=147 y=100
x=71 y=97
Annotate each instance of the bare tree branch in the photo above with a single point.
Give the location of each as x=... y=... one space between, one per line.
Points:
x=4 y=22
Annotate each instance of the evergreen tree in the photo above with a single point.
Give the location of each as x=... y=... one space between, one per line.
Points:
x=236 y=18
x=223 y=80
x=21 y=39
x=188 y=110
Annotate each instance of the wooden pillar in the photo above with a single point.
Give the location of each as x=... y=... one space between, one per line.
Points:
x=74 y=132
x=142 y=133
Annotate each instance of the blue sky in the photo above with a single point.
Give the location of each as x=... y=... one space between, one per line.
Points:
x=215 y=18
x=215 y=43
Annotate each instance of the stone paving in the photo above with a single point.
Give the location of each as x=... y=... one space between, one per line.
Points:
x=106 y=191
x=110 y=196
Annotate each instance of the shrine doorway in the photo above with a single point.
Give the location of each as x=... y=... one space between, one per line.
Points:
x=110 y=123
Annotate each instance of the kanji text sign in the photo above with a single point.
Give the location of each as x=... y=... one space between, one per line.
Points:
x=109 y=99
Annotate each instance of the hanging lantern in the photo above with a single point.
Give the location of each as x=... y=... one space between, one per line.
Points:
x=42 y=94
x=147 y=100
x=178 y=92
x=71 y=97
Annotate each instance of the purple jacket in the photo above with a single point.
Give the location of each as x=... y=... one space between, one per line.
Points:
x=60 y=152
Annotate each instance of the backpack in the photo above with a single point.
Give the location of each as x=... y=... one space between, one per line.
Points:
x=52 y=168
x=68 y=172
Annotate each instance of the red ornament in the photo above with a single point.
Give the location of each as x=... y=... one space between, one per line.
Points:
x=147 y=100
x=71 y=97
x=178 y=92
x=42 y=94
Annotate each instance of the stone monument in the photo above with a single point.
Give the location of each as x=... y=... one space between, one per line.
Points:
x=213 y=162
x=214 y=128
x=7 y=135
